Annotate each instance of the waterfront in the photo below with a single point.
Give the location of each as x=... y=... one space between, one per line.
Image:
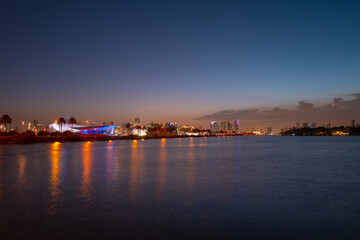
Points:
x=211 y=188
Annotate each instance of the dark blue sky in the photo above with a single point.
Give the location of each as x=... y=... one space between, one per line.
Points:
x=173 y=60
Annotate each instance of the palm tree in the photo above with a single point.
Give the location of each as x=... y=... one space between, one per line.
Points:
x=5 y=119
x=61 y=121
x=72 y=121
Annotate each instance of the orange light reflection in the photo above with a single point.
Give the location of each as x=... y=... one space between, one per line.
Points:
x=135 y=171
x=162 y=165
x=86 y=187
x=54 y=187
x=23 y=186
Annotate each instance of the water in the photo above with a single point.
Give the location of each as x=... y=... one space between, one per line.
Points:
x=270 y=187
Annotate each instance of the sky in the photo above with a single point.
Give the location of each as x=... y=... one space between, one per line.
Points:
x=189 y=62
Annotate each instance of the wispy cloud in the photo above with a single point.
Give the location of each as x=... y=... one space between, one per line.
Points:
x=339 y=110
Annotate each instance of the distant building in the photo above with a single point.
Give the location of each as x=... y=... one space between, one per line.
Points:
x=137 y=121
x=250 y=130
x=305 y=125
x=313 y=125
x=297 y=125
x=269 y=130
x=223 y=126
x=352 y=123
x=214 y=127
x=228 y=126
x=236 y=125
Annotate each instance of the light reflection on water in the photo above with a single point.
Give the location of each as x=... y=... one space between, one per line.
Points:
x=162 y=167
x=86 y=188
x=23 y=185
x=215 y=187
x=54 y=179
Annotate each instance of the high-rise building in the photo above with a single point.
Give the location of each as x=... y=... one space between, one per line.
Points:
x=236 y=125
x=313 y=125
x=352 y=123
x=137 y=121
x=223 y=126
x=214 y=127
x=305 y=125
x=269 y=130
x=228 y=126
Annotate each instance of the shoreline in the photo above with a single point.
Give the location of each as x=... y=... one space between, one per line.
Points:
x=6 y=140
x=80 y=138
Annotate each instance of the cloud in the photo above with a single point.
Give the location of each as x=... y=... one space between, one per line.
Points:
x=304 y=106
x=337 y=103
x=338 y=111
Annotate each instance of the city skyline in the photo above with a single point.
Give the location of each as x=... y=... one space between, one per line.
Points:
x=266 y=64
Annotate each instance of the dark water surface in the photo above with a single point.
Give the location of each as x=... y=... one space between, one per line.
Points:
x=200 y=188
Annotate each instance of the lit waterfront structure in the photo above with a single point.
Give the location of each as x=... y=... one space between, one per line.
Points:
x=96 y=130
x=55 y=127
x=214 y=127
x=139 y=132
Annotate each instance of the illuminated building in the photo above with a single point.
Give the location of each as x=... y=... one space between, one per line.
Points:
x=139 y=132
x=236 y=125
x=188 y=130
x=55 y=127
x=305 y=125
x=96 y=130
x=223 y=126
x=340 y=133
x=214 y=127
x=228 y=126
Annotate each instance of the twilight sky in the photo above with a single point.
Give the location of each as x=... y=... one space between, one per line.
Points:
x=180 y=61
